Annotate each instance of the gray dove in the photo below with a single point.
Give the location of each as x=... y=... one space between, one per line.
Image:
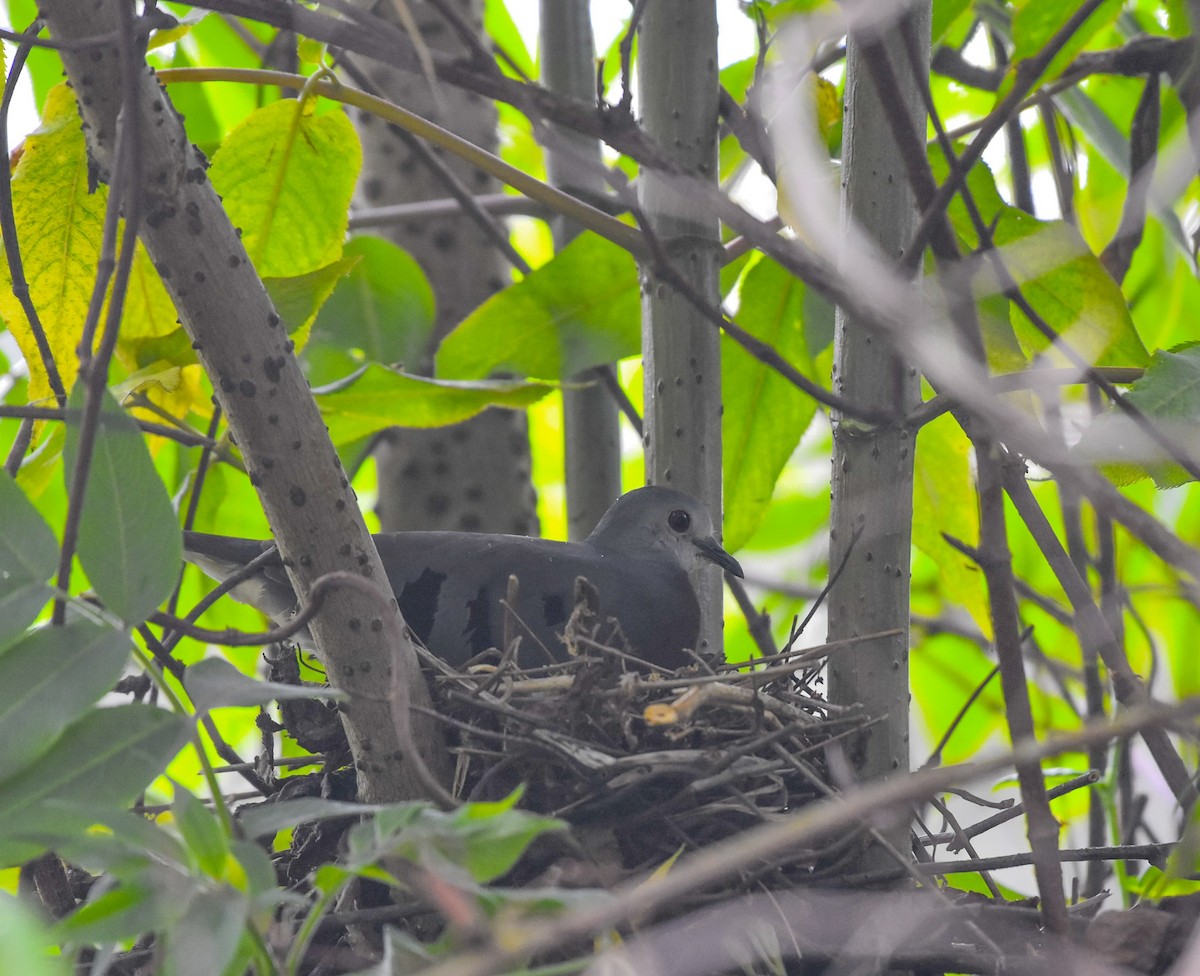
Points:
x=449 y=584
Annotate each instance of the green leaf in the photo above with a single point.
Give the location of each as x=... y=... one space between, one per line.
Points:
x=202 y=834
x=484 y=840
x=1168 y=394
x=48 y=681
x=270 y=818
x=578 y=310
x=206 y=938
x=102 y=761
x=299 y=299
x=112 y=915
x=764 y=415
x=286 y=176
x=129 y=539
x=215 y=683
x=503 y=32
x=377 y=398
x=25 y=944
x=1037 y=21
x=60 y=224
x=944 y=502
x=1069 y=288
x=494 y=844
x=945 y=13
x=28 y=557
x=384 y=309
x=1004 y=352
x=946 y=670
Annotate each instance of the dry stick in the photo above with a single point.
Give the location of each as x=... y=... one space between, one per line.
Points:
x=197 y=486
x=996 y=563
x=964 y=842
x=1112 y=601
x=312 y=604
x=187 y=438
x=1144 y=55
x=1094 y=631
x=935 y=757
x=759 y=624
x=1060 y=169
x=772 y=841
x=497 y=204
x=224 y=749
x=1090 y=778
x=897 y=324
x=1013 y=292
x=1153 y=853
x=620 y=234
x=662 y=267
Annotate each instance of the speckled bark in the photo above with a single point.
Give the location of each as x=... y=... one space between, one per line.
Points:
x=677 y=65
x=591 y=434
x=244 y=349
x=474 y=476
x=873 y=466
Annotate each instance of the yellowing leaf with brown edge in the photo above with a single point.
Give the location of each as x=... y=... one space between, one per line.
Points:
x=59 y=226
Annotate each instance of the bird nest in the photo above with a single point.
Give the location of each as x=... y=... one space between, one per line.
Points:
x=642 y=764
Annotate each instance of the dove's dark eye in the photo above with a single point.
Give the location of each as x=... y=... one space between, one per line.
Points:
x=679 y=520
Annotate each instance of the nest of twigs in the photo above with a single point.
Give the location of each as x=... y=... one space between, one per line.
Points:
x=642 y=765
x=645 y=764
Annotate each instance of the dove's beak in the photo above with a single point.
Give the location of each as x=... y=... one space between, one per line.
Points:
x=711 y=549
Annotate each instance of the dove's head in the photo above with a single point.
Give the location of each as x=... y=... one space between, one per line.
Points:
x=662 y=521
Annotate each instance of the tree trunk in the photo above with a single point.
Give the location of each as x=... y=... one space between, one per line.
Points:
x=871 y=518
x=678 y=88
x=473 y=476
x=591 y=435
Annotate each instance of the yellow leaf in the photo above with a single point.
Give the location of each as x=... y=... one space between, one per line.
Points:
x=59 y=225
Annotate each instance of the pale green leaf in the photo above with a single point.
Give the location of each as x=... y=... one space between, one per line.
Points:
x=578 y=310
x=765 y=415
x=1037 y=21
x=129 y=540
x=28 y=556
x=102 y=761
x=378 y=398
x=286 y=176
x=1069 y=288
x=944 y=502
x=48 y=680
x=383 y=312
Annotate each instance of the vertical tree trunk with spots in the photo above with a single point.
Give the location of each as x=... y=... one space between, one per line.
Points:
x=678 y=87
x=591 y=433
x=474 y=476
x=872 y=482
